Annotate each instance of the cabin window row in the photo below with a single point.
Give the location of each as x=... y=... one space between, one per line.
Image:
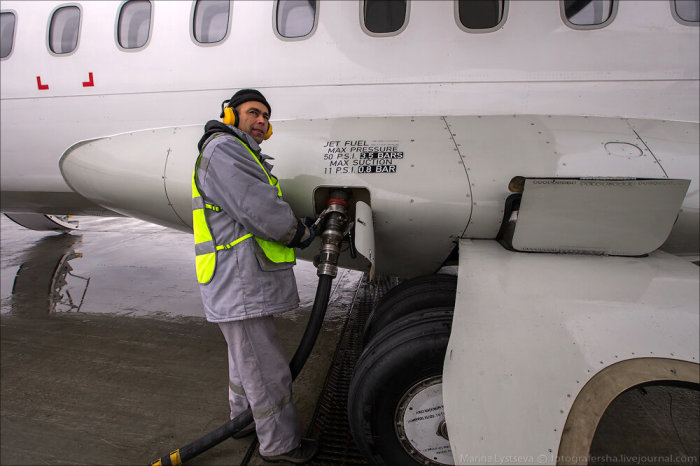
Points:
x=297 y=19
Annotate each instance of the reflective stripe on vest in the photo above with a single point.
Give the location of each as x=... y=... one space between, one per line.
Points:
x=204 y=245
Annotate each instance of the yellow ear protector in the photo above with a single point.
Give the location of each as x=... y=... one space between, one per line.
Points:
x=230 y=117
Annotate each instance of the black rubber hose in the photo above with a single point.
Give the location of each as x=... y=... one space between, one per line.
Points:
x=313 y=327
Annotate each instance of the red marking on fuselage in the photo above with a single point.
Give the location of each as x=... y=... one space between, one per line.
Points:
x=42 y=87
x=90 y=82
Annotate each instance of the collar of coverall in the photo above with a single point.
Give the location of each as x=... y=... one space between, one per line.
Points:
x=214 y=126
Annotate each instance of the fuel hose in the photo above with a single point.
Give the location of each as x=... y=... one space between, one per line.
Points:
x=335 y=223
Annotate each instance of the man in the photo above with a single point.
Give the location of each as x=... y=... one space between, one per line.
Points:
x=244 y=232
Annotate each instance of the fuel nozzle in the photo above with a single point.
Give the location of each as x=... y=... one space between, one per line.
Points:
x=334 y=220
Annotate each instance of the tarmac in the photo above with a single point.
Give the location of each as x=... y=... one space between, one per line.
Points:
x=106 y=358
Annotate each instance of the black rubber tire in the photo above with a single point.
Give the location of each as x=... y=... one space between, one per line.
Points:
x=429 y=291
x=405 y=355
x=420 y=317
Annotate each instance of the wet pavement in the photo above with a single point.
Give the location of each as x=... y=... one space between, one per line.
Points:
x=106 y=358
x=106 y=355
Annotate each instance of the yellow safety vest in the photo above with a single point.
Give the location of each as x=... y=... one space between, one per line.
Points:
x=204 y=244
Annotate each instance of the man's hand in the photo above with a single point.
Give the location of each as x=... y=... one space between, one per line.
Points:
x=306 y=240
x=305 y=234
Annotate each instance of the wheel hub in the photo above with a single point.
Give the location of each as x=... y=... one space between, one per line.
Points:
x=420 y=423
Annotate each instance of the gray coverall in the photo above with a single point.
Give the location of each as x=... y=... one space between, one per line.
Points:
x=247 y=289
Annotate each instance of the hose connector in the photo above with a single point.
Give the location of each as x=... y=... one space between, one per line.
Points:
x=336 y=220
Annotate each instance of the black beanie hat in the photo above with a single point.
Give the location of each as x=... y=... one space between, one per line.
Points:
x=246 y=95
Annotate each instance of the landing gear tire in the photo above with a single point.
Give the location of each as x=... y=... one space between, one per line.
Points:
x=437 y=290
x=419 y=317
x=395 y=407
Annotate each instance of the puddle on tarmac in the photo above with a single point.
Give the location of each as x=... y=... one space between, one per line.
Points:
x=122 y=267
x=106 y=355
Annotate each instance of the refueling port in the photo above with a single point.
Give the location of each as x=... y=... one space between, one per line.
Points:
x=345 y=201
x=335 y=217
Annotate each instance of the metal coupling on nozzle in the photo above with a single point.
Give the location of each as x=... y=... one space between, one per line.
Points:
x=336 y=220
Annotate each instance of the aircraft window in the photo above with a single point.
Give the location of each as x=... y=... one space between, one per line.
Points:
x=481 y=15
x=211 y=20
x=687 y=11
x=64 y=29
x=296 y=18
x=134 y=24
x=7 y=33
x=384 y=16
x=588 y=14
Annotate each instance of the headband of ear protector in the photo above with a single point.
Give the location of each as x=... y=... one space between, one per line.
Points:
x=230 y=116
